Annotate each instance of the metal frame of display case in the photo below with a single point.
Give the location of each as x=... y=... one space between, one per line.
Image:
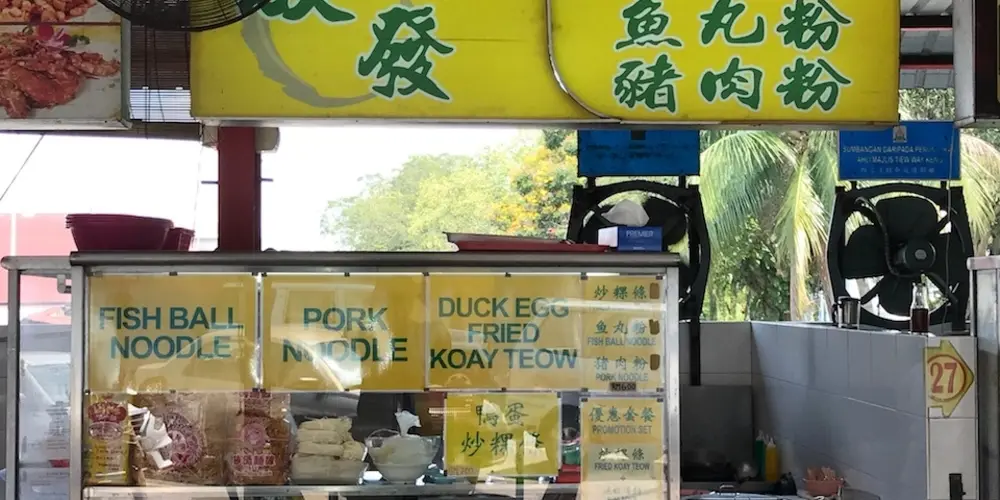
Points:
x=78 y=267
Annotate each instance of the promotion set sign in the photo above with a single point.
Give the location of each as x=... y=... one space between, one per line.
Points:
x=482 y=338
x=577 y=61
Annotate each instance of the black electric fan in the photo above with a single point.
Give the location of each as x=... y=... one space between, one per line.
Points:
x=676 y=209
x=908 y=233
x=183 y=15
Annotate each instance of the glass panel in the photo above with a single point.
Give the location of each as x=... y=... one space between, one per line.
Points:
x=43 y=412
x=447 y=382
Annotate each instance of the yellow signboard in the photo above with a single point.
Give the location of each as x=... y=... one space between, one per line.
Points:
x=948 y=377
x=730 y=60
x=505 y=434
x=793 y=61
x=421 y=60
x=623 y=334
x=622 y=448
x=183 y=333
x=497 y=332
x=336 y=333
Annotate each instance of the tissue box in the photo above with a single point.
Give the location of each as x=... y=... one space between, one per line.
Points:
x=632 y=239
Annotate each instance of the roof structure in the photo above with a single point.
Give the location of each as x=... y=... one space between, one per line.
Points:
x=925 y=52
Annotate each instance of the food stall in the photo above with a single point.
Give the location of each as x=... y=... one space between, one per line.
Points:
x=316 y=375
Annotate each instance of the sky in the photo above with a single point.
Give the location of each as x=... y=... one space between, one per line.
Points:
x=161 y=178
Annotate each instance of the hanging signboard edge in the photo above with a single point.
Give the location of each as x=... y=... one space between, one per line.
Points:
x=976 y=63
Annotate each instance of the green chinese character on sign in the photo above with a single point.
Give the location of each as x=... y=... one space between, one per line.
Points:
x=472 y=443
x=404 y=65
x=621 y=363
x=498 y=445
x=639 y=292
x=620 y=327
x=630 y=414
x=487 y=417
x=646 y=24
x=737 y=80
x=638 y=455
x=613 y=415
x=601 y=363
x=515 y=414
x=809 y=83
x=621 y=292
x=602 y=327
x=647 y=414
x=537 y=438
x=297 y=10
x=649 y=85
x=597 y=414
x=600 y=292
x=808 y=22
x=639 y=363
x=639 y=327
x=722 y=17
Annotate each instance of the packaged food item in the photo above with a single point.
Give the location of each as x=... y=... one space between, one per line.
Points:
x=326 y=453
x=198 y=426
x=259 y=449
x=106 y=440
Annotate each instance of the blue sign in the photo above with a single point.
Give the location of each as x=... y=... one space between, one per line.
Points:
x=922 y=151
x=634 y=153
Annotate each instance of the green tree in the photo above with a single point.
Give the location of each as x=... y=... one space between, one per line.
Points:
x=542 y=189
x=786 y=181
x=409 y=210
x=523 y=188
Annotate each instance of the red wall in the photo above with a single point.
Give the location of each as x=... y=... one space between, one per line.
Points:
x=41 y=234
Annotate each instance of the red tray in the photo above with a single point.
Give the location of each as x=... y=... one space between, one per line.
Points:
x=527 y=246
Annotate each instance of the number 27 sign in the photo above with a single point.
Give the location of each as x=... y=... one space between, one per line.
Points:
x=948 y=377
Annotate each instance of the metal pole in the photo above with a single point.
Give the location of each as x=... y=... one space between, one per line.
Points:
x=13 y=381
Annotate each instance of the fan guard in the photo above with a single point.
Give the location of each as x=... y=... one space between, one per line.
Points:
x=902 y=242
x=184 y=15
x=677 y=210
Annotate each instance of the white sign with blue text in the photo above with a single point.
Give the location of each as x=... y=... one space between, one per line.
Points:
x=917 y=150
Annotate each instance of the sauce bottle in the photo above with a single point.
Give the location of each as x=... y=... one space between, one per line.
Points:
x=920 y=314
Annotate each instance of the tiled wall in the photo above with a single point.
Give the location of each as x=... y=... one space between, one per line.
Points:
x=725 y=353
x=851 y=400
x=717 y=416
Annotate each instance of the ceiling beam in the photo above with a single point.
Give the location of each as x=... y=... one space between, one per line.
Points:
x=925 y=23
x=925 y=61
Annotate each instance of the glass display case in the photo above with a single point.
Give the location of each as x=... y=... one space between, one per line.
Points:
x=326 y=375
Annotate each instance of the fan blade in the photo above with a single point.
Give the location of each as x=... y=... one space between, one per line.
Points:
x=864 y=254
x=686 y=277
x=907 y=217
x=949 y=258
x=896 y=295
x=590 y=230
x=669 y=216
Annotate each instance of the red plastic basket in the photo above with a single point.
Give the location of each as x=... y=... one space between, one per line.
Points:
x=179 y=239
x=496 y=243
x=106 y=232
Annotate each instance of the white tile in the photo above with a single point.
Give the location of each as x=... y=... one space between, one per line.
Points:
x=725 y=348
x=859 y=365
x=837 y=355
x=726 y=379
x=909 y=388
x=884 y=369
x=952 y=448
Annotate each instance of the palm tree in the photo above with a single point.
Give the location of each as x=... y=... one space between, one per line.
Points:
x=783 y=180
x=786 y=182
